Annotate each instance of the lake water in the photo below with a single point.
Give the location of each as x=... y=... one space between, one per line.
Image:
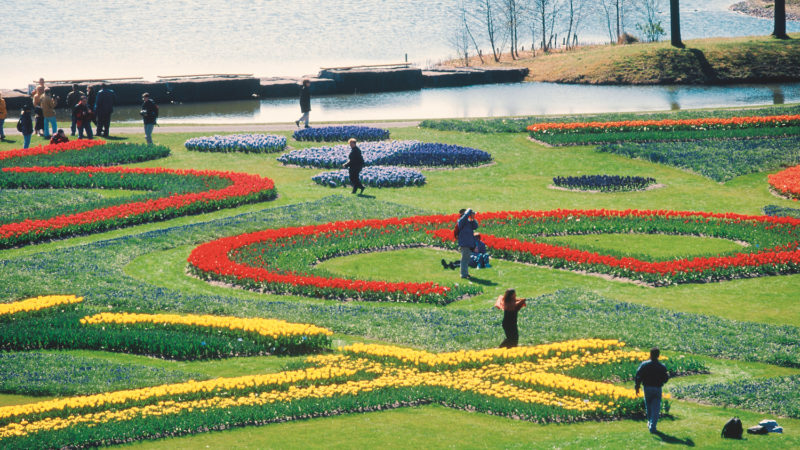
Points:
x=59 y=39
x=477 y=101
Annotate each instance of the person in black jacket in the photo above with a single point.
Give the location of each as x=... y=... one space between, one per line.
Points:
x=103 y=107
x=355 y=162
x=652 y=374
x=305 y=102
x=73 y=98
x=83 y=118
x=149 y=114
x=26 y=126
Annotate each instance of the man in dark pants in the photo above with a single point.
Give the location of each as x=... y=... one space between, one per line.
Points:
x=467 y=224
x=149 y=114
x=305 y=102
x=652 y=374
x=104 y=106
x=355 y=163
x=73 y=98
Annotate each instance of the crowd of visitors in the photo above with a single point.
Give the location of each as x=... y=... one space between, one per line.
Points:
x=95 y=106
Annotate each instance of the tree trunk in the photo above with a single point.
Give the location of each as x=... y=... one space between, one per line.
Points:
x=780 y=20
x=675 y=23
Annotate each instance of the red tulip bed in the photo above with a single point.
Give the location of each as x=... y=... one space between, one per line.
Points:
x=787 y=182
x=280 y=260
x=176 y=193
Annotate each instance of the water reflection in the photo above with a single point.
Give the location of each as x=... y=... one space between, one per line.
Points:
x=479 y=101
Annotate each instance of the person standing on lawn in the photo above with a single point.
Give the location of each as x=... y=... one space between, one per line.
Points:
x=466 y=239
x=510 y=305
x=355 y=162
x=103 y=107
x=149 y=114
x=652 y=374
x=3 y=115
x=48 y=104
x=25 y=126
x=83 y=118
x=305 y=102
x=73 y=98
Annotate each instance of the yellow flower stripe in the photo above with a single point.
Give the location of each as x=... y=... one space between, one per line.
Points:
x=265 y=327
x=516 y=380
x=419 y=357
x=167 y=390
x=37 y=303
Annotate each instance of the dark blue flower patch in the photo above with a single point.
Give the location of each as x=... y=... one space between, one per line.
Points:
x=398 y=153
x=341 y=133
x=604 y=183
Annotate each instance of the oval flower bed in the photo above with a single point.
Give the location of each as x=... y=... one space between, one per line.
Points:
x=665 y=124
x=282 y=260
x=396 y=153
x=247 y=143
x=373 y=176
x=202 y=191
x=786 y=182
x=605 y=183
x=341 y=133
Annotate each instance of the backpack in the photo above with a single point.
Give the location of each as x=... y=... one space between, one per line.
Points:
x=758 y=429
x=732 y=429
x=19 y=125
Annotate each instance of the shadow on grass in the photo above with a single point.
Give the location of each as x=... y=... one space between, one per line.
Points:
x=667 y=439
x=481 y=281
x=366 y=196
x=113 y=138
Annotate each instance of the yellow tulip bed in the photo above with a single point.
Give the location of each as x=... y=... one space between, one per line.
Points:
x=37 y=303
x=530 y=383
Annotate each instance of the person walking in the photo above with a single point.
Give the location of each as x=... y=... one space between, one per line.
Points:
x=83 y=118
x=652 y=375
x=305 y=102
x=510 y=305
x=149 y=114
x=3 y=116
x=355 y=162
x=48 y=104
x=467 y=224
x=104 y=106
x=25 y=126
x=73 y=97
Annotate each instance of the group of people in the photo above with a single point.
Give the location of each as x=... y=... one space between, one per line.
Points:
x=93 y=106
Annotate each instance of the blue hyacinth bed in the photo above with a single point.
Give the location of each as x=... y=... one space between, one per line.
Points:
x=373 y=176
x=341 y=133
x=246 y=143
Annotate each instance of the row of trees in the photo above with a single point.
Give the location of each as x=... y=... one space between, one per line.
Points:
x=501 y=24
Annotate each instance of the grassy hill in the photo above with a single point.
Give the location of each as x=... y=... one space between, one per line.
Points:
x=703 y=61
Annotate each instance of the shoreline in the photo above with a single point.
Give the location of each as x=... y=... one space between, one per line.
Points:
x=754 y=8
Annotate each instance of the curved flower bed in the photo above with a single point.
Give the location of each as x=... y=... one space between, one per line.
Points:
x=225 y=189
x=247 y=143
x=606 y=183
x=786 y=182
x=341 y=133
x=665 y=124
x=373 y=176
x=49 y=149
x=281 y=260
x=395 y=153
x=37 y=303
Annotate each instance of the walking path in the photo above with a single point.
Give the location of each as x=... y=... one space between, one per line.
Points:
x=229 y=128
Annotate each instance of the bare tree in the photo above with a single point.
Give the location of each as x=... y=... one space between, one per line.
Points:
x=459 y=40
x=487 y=13
x=546 y=12
x=651 y=27
x=464 y=22
x=512 y=11
x=575 y=13
x=615 y=14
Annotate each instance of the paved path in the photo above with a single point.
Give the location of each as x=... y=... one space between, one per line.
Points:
x=224 y=128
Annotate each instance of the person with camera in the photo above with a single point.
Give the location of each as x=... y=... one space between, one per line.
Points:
x=149 y=114
x=467 y=225
x=83 y=118
x=48 y=105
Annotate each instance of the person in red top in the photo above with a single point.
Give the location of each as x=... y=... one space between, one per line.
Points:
x=59 y=137
x=510 y=305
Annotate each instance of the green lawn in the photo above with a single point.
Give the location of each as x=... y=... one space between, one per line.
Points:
x=143 y=267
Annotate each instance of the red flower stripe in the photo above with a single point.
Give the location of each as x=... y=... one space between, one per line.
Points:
x=213 y=257
x=787 y=182
x=241 y=185
x=627 y=125
x=78 y=144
